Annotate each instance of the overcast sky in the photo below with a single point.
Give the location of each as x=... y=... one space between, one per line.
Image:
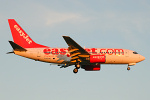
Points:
x=91 y=23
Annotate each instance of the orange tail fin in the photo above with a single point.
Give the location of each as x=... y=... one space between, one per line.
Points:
x=20 y=37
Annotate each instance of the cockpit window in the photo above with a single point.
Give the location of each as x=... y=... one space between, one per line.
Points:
x=135 y=52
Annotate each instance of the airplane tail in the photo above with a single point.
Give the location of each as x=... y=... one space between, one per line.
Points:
x=20 y=37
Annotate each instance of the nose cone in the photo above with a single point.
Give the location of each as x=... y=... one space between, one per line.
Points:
x=142 y=58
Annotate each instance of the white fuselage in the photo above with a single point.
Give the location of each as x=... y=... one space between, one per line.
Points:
x=61 y=55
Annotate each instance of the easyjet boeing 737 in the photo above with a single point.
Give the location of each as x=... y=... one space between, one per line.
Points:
x=86 y=58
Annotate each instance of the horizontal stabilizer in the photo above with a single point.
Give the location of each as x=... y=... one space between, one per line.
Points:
x=16 y=46
x=9 y=52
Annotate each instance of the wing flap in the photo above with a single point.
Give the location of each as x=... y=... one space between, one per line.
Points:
x=73 y=58
x=72 y=50
x=75 y=54
x=84 y=56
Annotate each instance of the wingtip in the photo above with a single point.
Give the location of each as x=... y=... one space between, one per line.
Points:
x=65 y=36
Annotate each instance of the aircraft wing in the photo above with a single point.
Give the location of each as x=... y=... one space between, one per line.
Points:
x=77 y=53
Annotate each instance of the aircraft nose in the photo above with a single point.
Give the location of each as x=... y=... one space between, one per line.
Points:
x=142 y=58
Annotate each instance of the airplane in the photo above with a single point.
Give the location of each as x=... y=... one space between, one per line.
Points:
x=89 y=59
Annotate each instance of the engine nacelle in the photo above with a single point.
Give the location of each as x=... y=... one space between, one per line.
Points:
x=97 y=59
x=91 y=67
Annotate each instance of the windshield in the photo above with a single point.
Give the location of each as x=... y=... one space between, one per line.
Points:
x=135 y=52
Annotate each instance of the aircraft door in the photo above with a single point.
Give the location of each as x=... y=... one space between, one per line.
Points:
x=127 y=53
x=38 y=53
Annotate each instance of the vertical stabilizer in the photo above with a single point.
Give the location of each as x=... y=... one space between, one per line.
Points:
x=20 y=37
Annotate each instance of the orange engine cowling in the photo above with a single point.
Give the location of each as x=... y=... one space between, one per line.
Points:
x=97 y=58
x=91 y=67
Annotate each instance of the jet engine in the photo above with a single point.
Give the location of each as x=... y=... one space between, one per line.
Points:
x=97 y=58
x=91 y=67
